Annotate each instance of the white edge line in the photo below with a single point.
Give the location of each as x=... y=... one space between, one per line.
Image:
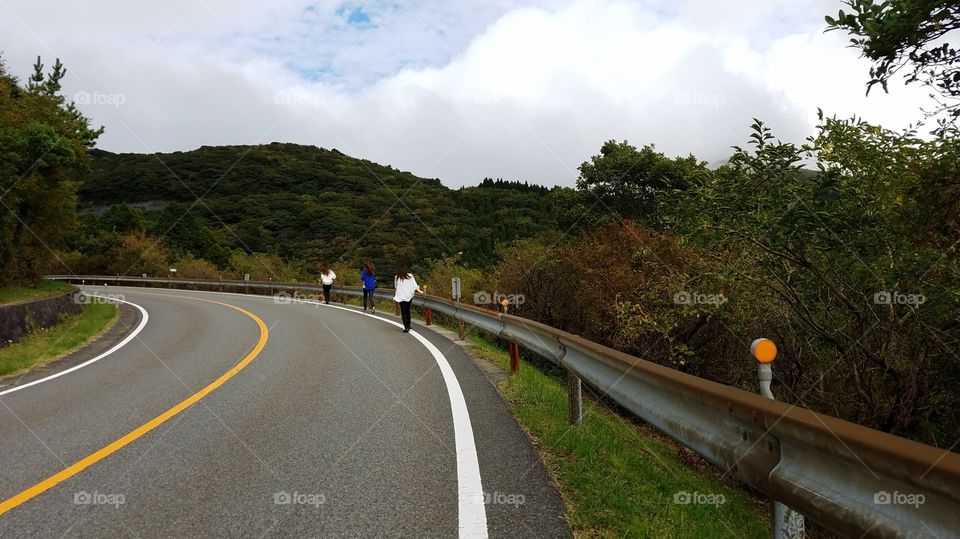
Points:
x=143 y=322
x=472 y=508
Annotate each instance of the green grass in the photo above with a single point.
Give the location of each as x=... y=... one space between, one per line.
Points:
x=14 y=294
x=620 y=478
x=44 y=345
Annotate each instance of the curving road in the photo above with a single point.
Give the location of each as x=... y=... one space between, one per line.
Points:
x=231 y=415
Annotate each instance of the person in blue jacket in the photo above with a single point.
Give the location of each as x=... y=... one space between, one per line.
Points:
x=369 y=285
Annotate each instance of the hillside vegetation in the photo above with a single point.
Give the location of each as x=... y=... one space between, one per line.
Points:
x=306 y=204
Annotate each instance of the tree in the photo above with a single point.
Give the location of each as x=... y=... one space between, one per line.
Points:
x=44 y=144
x=625 y=183
x=260 y=266
x=191 y=267
x=139 y=254
x=123 y=218
x=909 y=35
x=868 y=281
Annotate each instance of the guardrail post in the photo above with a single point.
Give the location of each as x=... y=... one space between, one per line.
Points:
x=514 y=357
x=460 y=331
x=428 y=316
x=785 y=523
x=575 y=398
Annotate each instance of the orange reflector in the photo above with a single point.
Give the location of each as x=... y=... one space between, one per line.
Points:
x=764 y=350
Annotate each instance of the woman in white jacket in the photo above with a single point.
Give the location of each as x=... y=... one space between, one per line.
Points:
x=326 y=278
x=406 y=288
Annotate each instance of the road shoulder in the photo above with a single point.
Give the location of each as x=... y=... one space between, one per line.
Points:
x=523 y=499
x=126 y=320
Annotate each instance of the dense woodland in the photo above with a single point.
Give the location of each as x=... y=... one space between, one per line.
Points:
x=301 y=203
x=841 y=249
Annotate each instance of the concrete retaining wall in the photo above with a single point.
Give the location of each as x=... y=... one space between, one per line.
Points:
x=19 y=319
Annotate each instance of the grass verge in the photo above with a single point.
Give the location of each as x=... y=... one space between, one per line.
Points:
x=14 y=294
x=620 y=478
x=45 y=345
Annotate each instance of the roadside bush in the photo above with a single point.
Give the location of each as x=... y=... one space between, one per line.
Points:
x=191 y=267
x=260 y=266
x=139 y=254
x=440 y=273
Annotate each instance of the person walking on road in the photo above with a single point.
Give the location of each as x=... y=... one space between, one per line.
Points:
x=369 y=285
x=406 y=288
x=326 y=278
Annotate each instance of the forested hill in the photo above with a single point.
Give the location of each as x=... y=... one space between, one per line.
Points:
x=229 y=170
x=308 y=203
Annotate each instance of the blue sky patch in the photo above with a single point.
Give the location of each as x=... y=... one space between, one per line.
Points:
x=316 y=74
x=356 y=16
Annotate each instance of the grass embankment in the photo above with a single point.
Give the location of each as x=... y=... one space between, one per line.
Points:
x=620 y=478
x=45 y=345
x=15 y=294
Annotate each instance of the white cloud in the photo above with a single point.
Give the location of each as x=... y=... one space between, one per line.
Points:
x=453 y=90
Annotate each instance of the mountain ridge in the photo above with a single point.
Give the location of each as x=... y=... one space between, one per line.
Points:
x=307 y=202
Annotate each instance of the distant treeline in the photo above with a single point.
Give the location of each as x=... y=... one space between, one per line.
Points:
x=307 y=204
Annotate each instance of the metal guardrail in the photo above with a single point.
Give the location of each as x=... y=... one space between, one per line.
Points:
x=857 y=481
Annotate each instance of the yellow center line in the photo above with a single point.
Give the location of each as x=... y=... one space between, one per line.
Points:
x=104 y=452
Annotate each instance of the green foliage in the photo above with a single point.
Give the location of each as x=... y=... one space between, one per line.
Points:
x=43 y=150
x=498 y=211
x=307 y=204
x=186 y=232
x=14 y=294
x=45 y=345
x=139 y=254
x=851 y=268
x=908 y=34
x=122 y=219
x=625 y=183
x=439 y=275
x=260 y=266
x=191 y=267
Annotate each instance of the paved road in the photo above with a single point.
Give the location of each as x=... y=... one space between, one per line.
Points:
x=322 y=422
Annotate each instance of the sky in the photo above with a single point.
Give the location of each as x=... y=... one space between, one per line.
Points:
x=456 y=90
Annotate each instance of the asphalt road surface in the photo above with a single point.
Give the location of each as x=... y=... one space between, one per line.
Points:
x=231 y=415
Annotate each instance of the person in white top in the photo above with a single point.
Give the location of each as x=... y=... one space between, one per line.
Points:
x=326 y=278
x=406 y=288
